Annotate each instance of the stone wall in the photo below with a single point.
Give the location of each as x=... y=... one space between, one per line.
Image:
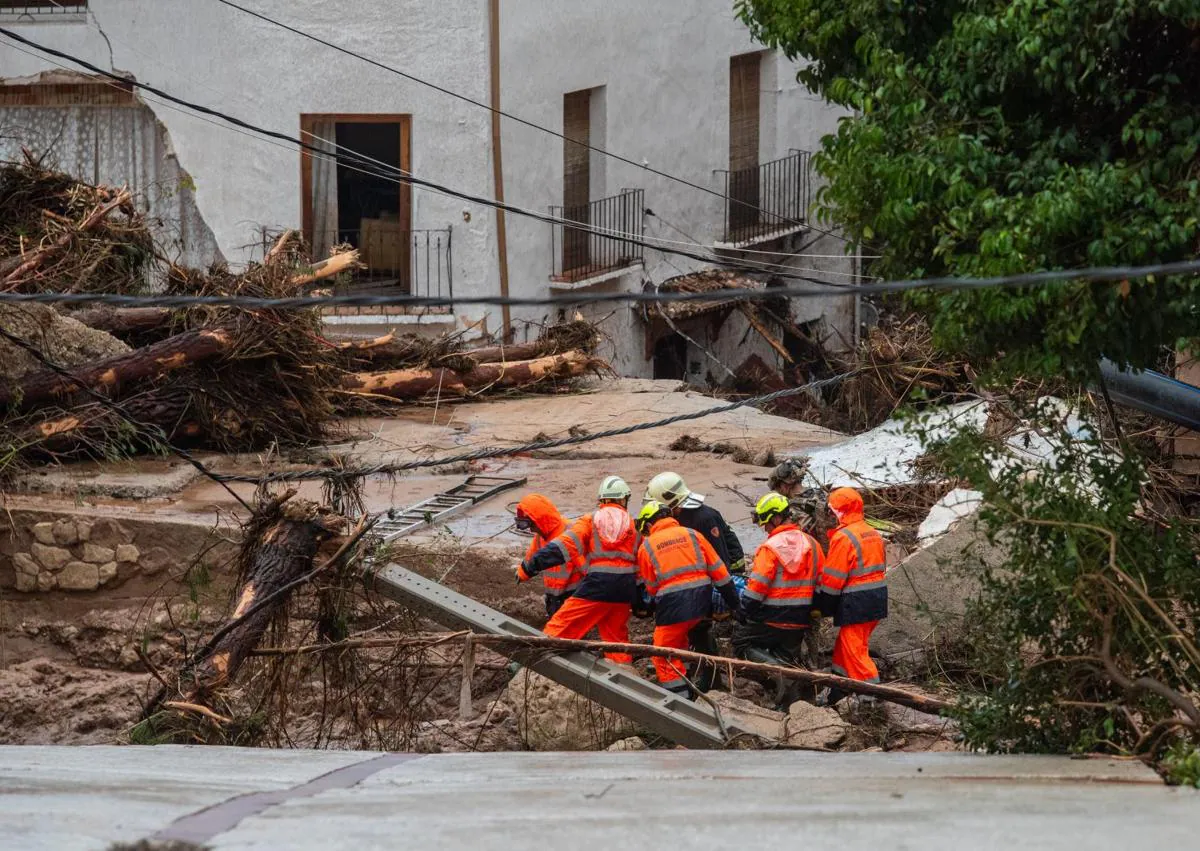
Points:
x=44 y=552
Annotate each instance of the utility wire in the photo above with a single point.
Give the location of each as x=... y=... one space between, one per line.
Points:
x=533 y=446
x=356 y=159
x=152 y=431
x=415 y=79
x=944 y=284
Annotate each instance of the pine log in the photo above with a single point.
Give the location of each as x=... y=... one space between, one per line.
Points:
x=111 y=374
x=334 y=265
x=284 y=553
x=90 y=426
x=508 y=354
x=123 y=321
x=756 y=323
x=416 y=383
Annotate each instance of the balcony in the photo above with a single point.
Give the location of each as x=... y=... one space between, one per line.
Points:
x=585 y=255
x=56 y=10
x=398 y=262
x=768 y=201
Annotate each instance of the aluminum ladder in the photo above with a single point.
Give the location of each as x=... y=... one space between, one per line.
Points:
x=692 y=724
x=440 y=507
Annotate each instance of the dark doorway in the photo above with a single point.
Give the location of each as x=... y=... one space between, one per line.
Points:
x=369 y=204
x=670 y=358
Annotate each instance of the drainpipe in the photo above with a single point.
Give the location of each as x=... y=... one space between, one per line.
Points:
x=498 y=162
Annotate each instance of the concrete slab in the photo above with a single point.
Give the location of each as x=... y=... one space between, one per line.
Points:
x=64 y=798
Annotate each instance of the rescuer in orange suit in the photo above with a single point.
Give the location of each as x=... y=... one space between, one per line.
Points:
x=853 y=588
x=605 y=543
x=537 y=514
x=679 y=568
x=777 y=600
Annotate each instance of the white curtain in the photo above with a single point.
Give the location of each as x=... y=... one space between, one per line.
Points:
x=324 y=188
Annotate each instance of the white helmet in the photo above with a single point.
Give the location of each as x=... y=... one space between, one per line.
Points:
x=668 y=488
x=613 y=488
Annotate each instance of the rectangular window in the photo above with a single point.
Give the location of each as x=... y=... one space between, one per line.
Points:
x=365 y=206
x=745 y=74
x=577 y=175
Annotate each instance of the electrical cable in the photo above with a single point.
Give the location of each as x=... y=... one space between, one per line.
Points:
x=533 y=446
x=357 y=159
x=945 y=284
x=415 y=79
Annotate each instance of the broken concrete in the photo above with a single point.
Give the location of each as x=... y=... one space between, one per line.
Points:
x=928 y=592
x=813 y=727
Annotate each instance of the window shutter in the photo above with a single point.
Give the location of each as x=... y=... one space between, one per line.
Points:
x=577 y=111
x=744 y=76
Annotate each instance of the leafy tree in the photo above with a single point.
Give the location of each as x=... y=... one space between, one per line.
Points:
x=1001 y=136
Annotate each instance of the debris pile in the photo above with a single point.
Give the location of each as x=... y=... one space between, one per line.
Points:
x=228 y=378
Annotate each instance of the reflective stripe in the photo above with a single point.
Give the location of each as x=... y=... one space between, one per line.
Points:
x=615 y=569
x=684 y=586
x=830 y=592
x=861 y=567
x=794 y=583
x=721 y=583
x=789 y=601
x=866 y=586
x=750 y=593
x=562 y=548
x=834 y=572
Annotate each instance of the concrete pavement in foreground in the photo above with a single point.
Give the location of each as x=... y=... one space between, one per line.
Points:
x=65 y=798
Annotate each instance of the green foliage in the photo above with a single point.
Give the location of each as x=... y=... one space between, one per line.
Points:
x=1182 y=764
x=1088 y=631
x=999 y=136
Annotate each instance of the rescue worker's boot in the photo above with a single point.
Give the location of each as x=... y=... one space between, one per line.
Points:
x=767 y=657
x=682 y=690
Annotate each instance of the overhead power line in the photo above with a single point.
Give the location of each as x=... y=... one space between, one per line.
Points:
x=325 y=42
x=1094 y=274
x=354 y=159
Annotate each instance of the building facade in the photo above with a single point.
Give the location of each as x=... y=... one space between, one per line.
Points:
x=676 y=88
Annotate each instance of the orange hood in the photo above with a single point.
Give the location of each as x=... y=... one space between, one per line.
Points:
x=544 y=514
x=847 y=505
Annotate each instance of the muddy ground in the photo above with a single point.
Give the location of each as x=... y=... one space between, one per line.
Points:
x=74 y=666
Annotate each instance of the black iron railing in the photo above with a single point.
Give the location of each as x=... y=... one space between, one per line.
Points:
x=415 y=262
x=593 y=248
x=43 y=7
x=769 y=199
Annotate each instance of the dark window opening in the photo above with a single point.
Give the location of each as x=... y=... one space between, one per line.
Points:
x=670 y=358
x=369 y=208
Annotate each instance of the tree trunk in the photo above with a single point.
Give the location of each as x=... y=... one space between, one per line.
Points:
x=88 y=428
x=285 y=552
x=111 y=374
x=416 y=383
x=123 y=321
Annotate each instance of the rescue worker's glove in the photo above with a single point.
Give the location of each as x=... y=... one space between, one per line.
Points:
x=522 y=575
x=733 y=601
x=643 y=605
x=739 y=566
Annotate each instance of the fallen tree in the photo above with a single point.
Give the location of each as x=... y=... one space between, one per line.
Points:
x=511 y=643
x=418 y=383
x=153 y=361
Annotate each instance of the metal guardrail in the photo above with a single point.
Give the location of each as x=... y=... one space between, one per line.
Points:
x=414 y=262
x=688 y=723
x=583 y=252
x=768 y=199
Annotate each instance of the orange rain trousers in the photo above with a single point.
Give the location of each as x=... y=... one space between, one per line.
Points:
x=576 y=617
x=670 y=671
x=851 y=653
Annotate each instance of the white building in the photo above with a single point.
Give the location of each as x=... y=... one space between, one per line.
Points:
x=678 y=87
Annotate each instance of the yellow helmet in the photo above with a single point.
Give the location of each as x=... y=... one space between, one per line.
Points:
x=651 y=512
x=613 y=489
x=771 y=505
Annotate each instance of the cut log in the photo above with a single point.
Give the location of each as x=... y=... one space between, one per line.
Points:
x=111 y=374
x=335 y=265
x=123 y=321
x=284 y=553
x=281 y=245
x=509 y=354
x=92 y=425
x=756 y=323
x=416 y=383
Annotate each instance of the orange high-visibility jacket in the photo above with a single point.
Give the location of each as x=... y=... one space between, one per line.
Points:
x=853 y=585
x=779 y=590
x=605 y=542
x=560 y=580
x=679 y=566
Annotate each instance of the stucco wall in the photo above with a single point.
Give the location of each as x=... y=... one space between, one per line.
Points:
x=664 y=69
